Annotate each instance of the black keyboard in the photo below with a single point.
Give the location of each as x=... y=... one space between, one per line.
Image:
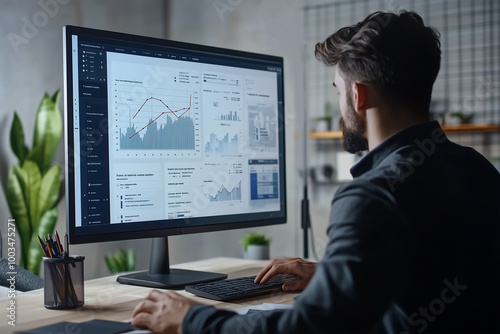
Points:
x=238 y=288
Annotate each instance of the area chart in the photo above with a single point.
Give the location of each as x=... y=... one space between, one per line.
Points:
x=175 y=132
x=224 y=195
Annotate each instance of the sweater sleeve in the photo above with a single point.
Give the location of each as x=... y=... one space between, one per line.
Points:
x=353 y=285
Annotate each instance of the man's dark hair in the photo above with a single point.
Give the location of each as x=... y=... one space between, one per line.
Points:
x=396 y=53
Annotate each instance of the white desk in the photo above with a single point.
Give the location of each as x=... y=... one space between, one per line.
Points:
x=107 y=299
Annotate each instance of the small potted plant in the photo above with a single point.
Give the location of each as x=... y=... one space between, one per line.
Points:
x=324 y=123
x=459 y=117
x=255 y=246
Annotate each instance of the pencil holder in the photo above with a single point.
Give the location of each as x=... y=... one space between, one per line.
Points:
x=63 y=282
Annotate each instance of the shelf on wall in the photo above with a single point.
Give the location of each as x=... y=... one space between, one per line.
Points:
x=466 y=128
x=325 y=134
x=461 y=128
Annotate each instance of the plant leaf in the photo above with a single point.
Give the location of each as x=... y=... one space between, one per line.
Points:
x=35 y=155
x=32 y=191
x=121 y=259
x=46 y=226
x=49 y=189
x=112 y=264
x=48 y=129
x=16 y=181
x=130 y=260
x=17 y=139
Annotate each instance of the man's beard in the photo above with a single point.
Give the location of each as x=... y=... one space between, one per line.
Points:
x=353 y=139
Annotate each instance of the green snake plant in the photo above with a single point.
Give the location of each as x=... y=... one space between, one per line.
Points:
x=34 y=186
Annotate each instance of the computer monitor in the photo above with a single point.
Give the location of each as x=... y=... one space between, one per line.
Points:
x=167 y=138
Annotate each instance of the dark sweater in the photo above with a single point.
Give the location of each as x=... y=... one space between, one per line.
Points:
x=414 y=246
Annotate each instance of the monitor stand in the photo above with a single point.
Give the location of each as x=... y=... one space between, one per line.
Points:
x=161 y=276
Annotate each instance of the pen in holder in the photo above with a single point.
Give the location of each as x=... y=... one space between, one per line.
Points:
x=63 y=282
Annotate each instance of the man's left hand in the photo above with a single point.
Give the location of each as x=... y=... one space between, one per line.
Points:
x=162 y=312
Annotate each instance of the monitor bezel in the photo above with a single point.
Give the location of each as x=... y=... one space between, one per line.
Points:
x=277 y=217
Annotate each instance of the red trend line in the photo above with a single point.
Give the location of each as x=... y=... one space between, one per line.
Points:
x=170 y=111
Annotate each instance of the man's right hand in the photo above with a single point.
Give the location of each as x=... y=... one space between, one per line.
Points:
x=303 y=269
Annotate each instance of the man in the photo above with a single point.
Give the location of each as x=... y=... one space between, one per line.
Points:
x=413 y=239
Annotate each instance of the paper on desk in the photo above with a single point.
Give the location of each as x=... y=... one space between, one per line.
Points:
x=264 y=307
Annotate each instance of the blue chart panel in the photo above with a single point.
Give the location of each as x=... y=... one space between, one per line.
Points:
x=264 y=185
x=224 y=195
x=223 y=146
x=173 y=135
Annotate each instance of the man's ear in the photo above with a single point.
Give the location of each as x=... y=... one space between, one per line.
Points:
x=360 y=97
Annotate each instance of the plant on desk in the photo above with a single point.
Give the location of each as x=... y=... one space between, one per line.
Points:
x=121 y=261
x=34 y=185
x=256 y=246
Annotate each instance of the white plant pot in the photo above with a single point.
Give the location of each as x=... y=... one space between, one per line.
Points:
x=256 y=252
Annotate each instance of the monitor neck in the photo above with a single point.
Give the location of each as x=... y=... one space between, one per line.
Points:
x=159 y=262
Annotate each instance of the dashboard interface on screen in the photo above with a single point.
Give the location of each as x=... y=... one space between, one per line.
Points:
x=166 y=134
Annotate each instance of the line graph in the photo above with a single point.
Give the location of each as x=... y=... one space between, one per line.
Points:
x=155 y=107
x=183 y=111
x=159 y=119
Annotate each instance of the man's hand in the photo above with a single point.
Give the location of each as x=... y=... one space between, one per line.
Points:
x=303 y=269
x=162 y=312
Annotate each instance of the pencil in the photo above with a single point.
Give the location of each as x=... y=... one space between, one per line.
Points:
x=49 y=248
x=53 y=245
x=42 y=245
x=59 y=244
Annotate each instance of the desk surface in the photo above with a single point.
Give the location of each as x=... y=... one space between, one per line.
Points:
x=107 y=299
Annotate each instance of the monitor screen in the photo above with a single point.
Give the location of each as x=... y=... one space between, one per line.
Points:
x=166 y=138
